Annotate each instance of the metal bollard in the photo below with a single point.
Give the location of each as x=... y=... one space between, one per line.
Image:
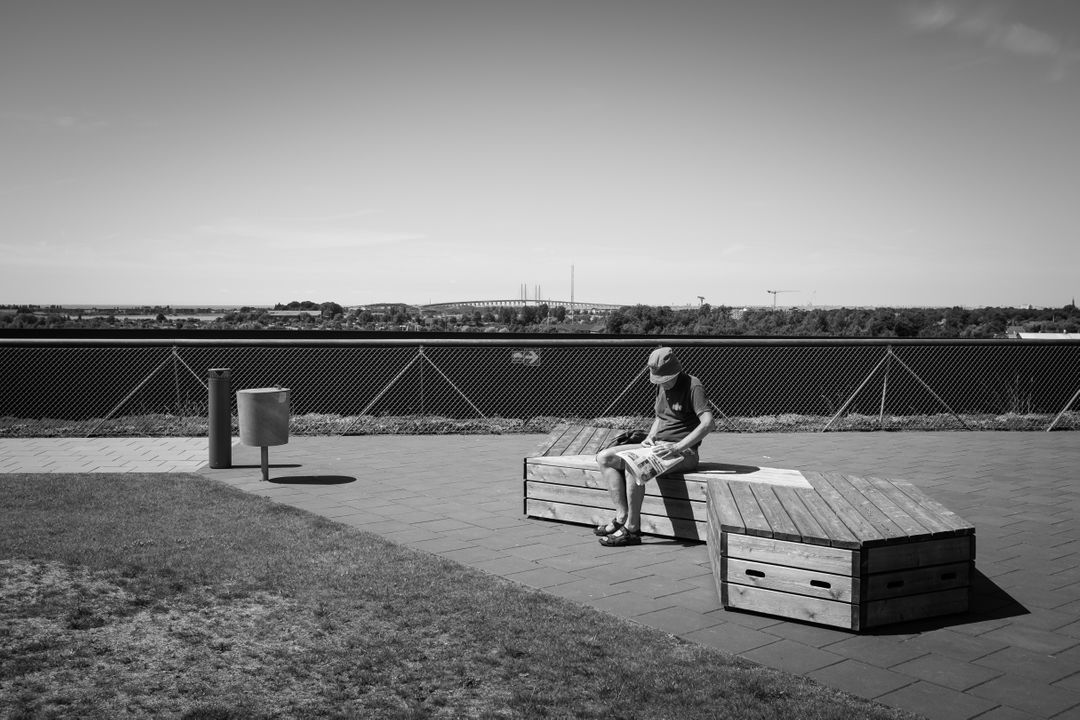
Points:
x=220 y=417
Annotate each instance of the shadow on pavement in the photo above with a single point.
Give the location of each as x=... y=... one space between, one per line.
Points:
x=313 y=479
x=988 y=602
x=271 y=466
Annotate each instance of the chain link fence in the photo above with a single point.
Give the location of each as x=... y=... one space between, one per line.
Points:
x=146 y=387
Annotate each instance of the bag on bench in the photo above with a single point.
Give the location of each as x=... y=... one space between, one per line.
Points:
x=629 y=437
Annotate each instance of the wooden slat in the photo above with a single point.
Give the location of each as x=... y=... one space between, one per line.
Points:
x=797 y=607
x=675 y=488
x=779 y=522
x=650 y=524
x=727 y=511
x=598 y=440
x=865 y=506
x=579 y=443
x=565 y=475
x=863 y=530
x=563 y=442
x=915 y=607
x=556 y=432
x=837 y=534
x=656 y=505
x=587 y=462
x=797 y=580
x=820 y=558
x=748 y=508
x=907 y=524
x=566 y=513
x=916 y=581
x=926 y=553
x=809 y=529
x=947 y=516
x=929 y=519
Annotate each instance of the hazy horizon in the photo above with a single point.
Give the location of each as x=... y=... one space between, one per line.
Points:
x=899 y=153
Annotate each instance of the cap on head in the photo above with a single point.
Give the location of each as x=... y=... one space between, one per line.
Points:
x=663 y=365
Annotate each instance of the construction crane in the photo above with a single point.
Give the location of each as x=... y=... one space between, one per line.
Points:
x=774 y=293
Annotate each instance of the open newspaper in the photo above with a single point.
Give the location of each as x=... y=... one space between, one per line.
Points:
x=645 y=463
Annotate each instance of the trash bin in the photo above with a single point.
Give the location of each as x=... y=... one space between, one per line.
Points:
x=263 y=415
x=264 y=420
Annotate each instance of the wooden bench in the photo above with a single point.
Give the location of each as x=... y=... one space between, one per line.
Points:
x=827 y=548
x=843 y=550
x=562 y=482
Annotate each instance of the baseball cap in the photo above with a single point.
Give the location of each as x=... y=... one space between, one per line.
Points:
x=663 y=365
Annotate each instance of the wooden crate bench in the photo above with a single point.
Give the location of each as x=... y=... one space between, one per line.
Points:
x=562 y=482
x=841 y=550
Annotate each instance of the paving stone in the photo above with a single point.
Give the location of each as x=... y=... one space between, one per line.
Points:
x=542 y=577
x=655 y=586
x=731 y=638
x=1037 y=666
x=629 y=604
x=1002 y=712
x=1032 y=639
x=1071 y=682
x=882 y=652
x=1021 y=693
x=676 y=620
x=701 y=600
x=936 y=702
x=583 y=591
x=793 y=657
x=505 y=565
x=472 y=555
x=861 y=679
x=814 y=635
x=956 y=645
x=948 y=672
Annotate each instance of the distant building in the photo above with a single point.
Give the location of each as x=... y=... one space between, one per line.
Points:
x=1047 y=336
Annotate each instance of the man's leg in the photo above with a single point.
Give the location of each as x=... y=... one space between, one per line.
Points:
x=612 y=469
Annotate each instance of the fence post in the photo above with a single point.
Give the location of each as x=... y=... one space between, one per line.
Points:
x=1064 y=410
x=219 y=429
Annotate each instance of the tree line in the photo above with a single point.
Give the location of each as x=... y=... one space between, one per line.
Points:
x=706 y=320
x=955 y=322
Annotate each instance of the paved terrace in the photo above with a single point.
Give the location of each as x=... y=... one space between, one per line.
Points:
x=1015 y=655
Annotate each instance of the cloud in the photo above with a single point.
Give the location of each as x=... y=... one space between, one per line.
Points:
x=312 y=233
x=62 y=122
x=991 y=27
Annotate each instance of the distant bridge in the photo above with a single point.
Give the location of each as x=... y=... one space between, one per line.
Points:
x=575 y=306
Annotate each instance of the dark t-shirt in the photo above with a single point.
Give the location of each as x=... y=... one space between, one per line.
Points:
x=679 y=407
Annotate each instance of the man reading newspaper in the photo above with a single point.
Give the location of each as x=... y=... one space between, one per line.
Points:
x=682 y=421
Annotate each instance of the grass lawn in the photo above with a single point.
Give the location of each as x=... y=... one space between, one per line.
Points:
x=174 y=596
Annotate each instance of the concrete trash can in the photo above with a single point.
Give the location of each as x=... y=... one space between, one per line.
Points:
x=263 y=414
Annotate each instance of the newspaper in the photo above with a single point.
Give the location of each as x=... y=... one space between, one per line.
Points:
x=645 y=463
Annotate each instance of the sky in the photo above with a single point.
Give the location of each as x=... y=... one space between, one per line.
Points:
x=249 y=152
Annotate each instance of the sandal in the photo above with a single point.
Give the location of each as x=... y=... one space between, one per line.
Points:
x=609 y=529
x=621 y=538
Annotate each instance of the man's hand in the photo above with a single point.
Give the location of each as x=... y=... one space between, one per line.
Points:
x=666 y=449
x=648 y=441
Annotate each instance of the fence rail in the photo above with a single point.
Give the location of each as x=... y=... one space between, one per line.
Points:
x=419 y=383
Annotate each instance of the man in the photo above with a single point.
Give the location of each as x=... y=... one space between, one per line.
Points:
x=682 y=421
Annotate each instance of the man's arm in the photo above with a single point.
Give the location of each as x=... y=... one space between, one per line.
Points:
x=650 y=437
x=697 y=434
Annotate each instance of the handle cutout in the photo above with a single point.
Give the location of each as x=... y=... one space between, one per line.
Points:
x=895 y=584
x=755 y=573
x=820 y=584
x=948 y=576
